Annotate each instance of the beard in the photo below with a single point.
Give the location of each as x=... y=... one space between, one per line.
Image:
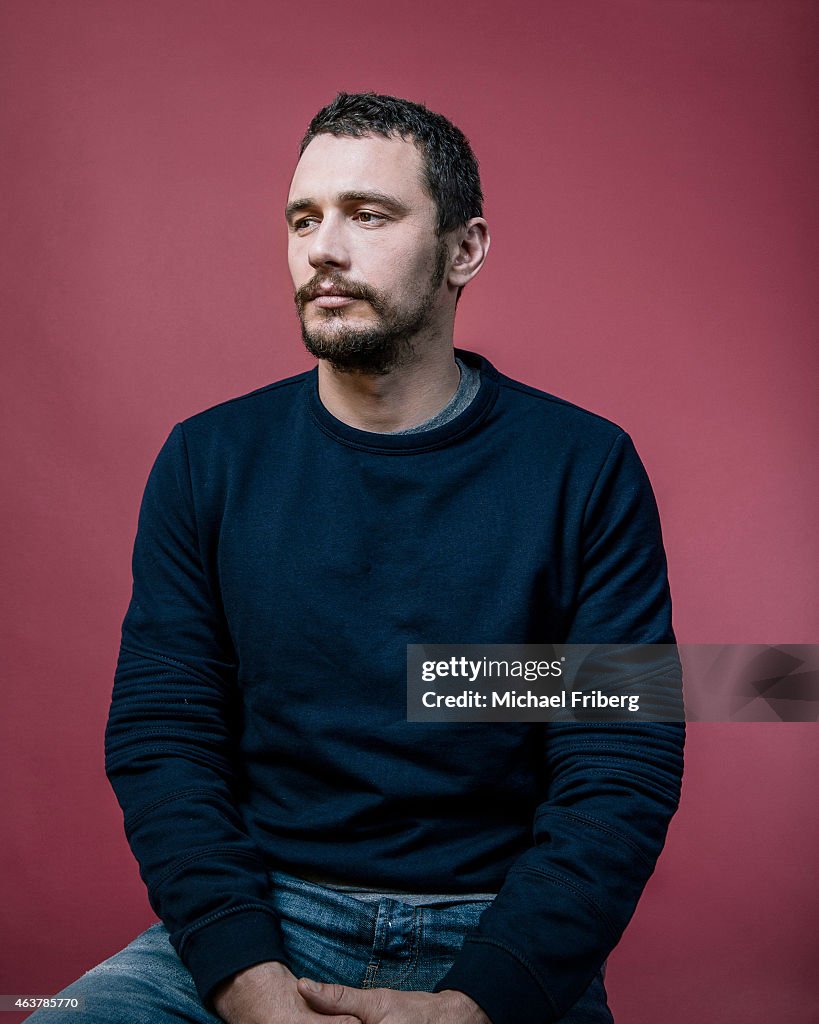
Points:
x=377 y=348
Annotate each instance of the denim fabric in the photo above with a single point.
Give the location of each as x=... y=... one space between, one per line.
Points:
x=329 y=935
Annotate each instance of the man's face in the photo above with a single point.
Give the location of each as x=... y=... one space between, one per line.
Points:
x=367 y=264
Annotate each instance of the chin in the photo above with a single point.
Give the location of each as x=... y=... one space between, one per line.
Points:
x=364 y=354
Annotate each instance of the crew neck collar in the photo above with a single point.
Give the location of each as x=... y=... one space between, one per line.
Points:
x=424 y=440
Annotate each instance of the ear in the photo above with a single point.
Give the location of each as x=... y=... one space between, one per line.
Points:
x=470 y=244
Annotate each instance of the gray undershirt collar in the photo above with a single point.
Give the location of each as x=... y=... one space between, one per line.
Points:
x=468 y=387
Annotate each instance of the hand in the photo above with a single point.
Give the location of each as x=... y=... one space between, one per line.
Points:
x=386 y=1006
x=267 y=994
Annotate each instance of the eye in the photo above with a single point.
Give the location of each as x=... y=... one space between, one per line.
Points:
x=303 y=223
x=370 y=219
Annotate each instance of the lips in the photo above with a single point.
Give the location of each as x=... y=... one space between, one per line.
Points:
x=330 y=294
x=332 y=300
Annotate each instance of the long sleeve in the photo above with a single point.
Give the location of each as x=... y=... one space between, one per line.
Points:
x=612 y=791
x=169 y=744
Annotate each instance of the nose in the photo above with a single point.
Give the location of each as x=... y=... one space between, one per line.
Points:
x=328 y=246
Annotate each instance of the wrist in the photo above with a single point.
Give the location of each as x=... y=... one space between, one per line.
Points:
x=465 y=1007
x=249 y=978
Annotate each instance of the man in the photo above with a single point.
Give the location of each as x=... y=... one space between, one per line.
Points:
x=291 y=825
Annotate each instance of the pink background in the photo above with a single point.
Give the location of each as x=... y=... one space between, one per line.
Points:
x=650 y=172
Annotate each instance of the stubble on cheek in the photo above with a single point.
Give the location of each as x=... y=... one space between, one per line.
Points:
x=381 y=339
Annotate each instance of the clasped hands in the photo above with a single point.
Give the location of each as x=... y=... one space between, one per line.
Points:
x=270 y=993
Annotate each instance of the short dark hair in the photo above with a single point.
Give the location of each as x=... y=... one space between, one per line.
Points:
x=450 y=167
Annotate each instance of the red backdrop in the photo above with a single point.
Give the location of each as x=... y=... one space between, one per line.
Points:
x=650 y=178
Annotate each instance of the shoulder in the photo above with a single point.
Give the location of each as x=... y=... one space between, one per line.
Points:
x=538 y=414
x=267 y=397
x=533 y=401
x=525 y=399
x=265 y=408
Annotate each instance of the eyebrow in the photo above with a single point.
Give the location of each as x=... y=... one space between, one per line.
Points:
x=369 y=196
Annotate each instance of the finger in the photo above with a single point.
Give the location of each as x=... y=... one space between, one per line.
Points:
x=338 y=999
x=332 y=1019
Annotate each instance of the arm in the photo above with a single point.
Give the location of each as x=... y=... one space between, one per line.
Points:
x=169 y=743
x=613 y=787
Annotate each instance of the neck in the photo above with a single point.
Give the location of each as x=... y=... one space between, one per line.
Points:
x=403 y=398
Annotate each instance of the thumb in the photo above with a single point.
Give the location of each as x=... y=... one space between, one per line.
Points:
x=337 y=998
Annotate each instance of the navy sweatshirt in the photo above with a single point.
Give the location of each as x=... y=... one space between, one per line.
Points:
x=282 y=563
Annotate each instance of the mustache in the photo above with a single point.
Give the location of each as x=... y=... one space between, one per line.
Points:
x=317 y=286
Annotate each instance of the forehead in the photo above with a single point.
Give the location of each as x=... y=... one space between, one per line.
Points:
x=332 y=164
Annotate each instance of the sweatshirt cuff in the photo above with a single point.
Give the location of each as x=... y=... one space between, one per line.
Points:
x=499 y=983
x=217 y=951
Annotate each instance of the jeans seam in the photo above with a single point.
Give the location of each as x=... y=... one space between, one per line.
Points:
x=415 y=947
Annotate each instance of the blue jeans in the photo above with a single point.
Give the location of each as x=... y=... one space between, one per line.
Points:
x=329 y=936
